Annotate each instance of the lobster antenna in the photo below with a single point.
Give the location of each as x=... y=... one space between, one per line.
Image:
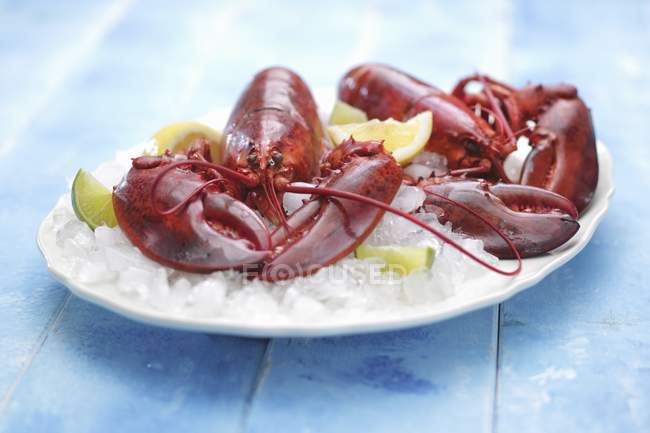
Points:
x=225 y=171
x=470 y=171
x=324 y=191
x=270 y=191
x=498 y=113
x=185 y=201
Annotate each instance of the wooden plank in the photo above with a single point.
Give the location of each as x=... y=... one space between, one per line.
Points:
x=100 y=372
x=435 y=378
x=118 y=95
x=29 y=298
x=126 y=88
x=575 y=350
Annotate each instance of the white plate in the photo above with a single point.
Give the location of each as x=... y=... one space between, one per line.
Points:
x=494 y=289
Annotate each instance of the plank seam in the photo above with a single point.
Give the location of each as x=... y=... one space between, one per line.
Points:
x=49 y=328
x=262 y=372
x=497 y=365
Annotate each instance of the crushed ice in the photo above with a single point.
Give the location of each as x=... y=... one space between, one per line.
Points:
x=106 y=260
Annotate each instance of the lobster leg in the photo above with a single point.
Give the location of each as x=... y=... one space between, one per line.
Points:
x=534 y=219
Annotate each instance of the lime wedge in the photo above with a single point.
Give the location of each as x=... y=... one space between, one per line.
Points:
x=400 y=259
x=92 y=201
x=403 y=139
x=178 y=136
x=343 y=113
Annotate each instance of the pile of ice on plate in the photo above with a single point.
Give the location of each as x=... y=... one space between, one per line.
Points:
x=351 y=289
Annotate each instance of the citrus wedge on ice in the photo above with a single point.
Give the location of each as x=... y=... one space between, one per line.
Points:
x=343 y=114
x=403 y=139
x=92 y=202
x=178 y=136
x=400 y=259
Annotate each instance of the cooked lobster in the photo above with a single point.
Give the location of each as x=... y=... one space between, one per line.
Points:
x=476 y=132
x=191 y=213
x=466 y=139
x=563 y=159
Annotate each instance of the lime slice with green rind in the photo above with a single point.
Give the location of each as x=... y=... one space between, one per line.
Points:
x=400 y=259
x=343 y=114
x=92 y=202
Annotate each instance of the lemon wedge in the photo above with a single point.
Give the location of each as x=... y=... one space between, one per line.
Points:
x=400 y=259
x=178 y=136
x=403 y=139
x=92 y=202
x=344 y=113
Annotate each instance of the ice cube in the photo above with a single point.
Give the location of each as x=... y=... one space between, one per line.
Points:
x=135 y=281
x=293 y=201
x=159 y=295
x=109 y=173
x=119 y=257
x=70 y=230
x=419 y=290
x=307 y=308
x=94 y=273
x=435 y=161
x=106 y=236
x=417 y=171
x=409 y=198
x=207 y=297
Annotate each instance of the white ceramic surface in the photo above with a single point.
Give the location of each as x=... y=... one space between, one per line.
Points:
x=494 y=289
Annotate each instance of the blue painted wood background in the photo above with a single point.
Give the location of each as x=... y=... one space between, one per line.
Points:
x=80 y=79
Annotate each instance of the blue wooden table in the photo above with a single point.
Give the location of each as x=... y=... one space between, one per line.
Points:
x=80 y=79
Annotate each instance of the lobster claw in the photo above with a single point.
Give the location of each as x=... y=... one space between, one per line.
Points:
x=212 y=231
x=534 y=219
x=564 y=157
x=325 y=229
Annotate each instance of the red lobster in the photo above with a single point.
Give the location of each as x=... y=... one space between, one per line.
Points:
x=190 y=213
x=536 y=219
x=467 y=140
x=563 y=159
